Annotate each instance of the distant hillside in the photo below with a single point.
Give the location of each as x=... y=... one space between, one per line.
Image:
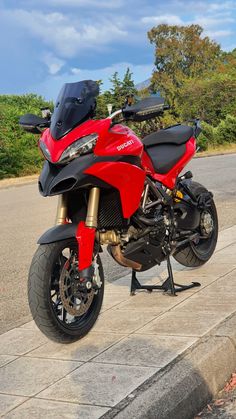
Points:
x=143 y=84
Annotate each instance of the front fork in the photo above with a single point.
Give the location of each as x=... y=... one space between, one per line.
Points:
x=86 y=231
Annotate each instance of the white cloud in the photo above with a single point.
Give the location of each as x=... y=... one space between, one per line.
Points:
x=224 y=5
x=211 y=21
x=168 y=19
x=75 y=70
x=65 y=35
x=53 y=63
x=193 y=6
x=218 y=33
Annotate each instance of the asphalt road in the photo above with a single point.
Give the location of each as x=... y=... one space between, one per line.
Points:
x=24 y=215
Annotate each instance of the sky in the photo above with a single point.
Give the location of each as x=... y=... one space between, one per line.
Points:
x=46 y=43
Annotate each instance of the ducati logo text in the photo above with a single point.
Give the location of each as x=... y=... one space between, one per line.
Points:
x=124 y=145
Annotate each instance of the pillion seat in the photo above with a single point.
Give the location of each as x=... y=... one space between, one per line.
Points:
x=166 y=147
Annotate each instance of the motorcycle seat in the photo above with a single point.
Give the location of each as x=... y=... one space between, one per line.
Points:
x=178 y=135
x=166 y=147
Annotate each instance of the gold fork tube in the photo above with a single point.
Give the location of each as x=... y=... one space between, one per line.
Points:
x=61 y=209
x=92 y=212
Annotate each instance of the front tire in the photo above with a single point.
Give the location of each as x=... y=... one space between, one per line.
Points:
x=194 y=255
x=45 y=296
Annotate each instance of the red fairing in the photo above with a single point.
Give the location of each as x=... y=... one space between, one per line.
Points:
x=56 y=147
x=147 y=164
x=128 y=179
x=119 y=140
x=85 y=237
x=169 y=179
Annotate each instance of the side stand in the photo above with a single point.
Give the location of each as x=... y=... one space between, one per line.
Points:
x=169 y=286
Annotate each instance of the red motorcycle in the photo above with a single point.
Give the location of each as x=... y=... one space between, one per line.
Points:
x=117 y=190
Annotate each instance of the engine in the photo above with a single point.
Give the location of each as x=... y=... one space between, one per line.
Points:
x=141 y=247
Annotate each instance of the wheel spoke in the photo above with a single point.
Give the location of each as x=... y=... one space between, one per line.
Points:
x=64 y=313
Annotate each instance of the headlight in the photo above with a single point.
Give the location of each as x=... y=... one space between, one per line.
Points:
x=83 y=145
x=45 y=150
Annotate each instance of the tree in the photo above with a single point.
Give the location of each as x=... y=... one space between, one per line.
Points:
x=210 y=98
x=117 y=94
x=121 y=88
x=128 y=87
x=181 y=53
x=213 y=96
x=228 y=63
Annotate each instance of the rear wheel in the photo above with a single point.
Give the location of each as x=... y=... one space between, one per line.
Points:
x=197 y=253
x=61 y=306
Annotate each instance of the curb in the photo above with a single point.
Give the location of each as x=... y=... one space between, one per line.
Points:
x=223 y=153
x=18 y=181
x=186 y=385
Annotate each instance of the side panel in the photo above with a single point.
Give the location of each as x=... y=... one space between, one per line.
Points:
x=169 y=179
x=128 y=179
x=147 y=164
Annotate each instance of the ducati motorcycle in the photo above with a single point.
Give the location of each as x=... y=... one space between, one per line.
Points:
x=117 y=190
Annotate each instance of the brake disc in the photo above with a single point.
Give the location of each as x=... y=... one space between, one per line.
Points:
x=206 y=223
x=76 y=302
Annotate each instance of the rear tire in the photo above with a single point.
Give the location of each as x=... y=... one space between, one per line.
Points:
x=43 y=275
x=194 y=255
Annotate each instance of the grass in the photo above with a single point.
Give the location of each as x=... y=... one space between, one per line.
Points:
x=221 y=149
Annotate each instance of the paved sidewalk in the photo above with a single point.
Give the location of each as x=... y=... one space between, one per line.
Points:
x=135 y=339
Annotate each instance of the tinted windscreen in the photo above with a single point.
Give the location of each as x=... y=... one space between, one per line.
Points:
x=75 y=103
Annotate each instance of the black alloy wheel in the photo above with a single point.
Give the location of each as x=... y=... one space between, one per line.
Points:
x=61 y=305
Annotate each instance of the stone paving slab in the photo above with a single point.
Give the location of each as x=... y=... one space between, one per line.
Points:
x=36 y=409
x=175 y=323
x=146 y=350
x=89 y=347
x=99 y=384
x=20 y=341
x=134 y=339
x=27 y=376
x=5 y=359
x=8 y=402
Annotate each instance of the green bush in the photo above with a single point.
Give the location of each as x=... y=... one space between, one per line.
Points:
x=224 y=133
x=210 y=98
x=19 y=154
x=207 y=137
x=202 y=142
x=226 y=130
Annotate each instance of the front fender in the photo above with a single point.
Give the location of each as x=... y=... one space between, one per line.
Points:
x=57 y=233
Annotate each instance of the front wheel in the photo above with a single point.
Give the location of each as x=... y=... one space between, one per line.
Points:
x=62 y=308
x=196 y=254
